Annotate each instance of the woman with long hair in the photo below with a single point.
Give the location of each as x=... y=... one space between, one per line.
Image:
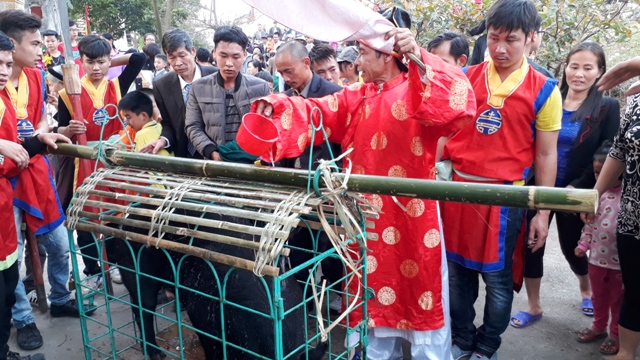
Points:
x=588 y=120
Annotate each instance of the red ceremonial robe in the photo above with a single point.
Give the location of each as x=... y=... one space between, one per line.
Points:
x=393 y=130
x=97 y=103
x=34 y=188
x=8 y=168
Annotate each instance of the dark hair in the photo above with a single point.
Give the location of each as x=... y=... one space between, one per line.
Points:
x=257 y=64
x=603 y=151
x=50 y=33
x=230 y=34
x=458 y=44
x=172 y=40
x=72 y=23
x=15 y=23
x=136 y=102
x=203 y=55
x=322 y=52
x=265 y=76
x=94 y=47
x=590 y=107
x=276 y=33
x=512 y=15
x=162 y=57
x=151 y=50
x=107 y=36
x=5 y=43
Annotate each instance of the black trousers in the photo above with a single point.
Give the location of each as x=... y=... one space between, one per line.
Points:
x=8 y=282
x=569 y=230
x=628 y=250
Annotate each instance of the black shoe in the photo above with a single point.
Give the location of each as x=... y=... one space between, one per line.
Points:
x=29 y=337
x=70 y=309
x=15 y=356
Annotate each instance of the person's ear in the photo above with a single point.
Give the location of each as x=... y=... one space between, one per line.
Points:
x=462 y=60
x=307 y=61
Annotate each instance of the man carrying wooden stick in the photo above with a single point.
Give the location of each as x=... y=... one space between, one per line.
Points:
x=391 y=122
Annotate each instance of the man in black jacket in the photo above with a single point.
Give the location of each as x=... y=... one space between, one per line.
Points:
x=293 y=62
x=171 y=92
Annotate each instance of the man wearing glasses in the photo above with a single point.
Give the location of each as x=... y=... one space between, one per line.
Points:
x=73 y=30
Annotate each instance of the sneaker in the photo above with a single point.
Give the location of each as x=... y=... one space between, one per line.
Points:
x=15 y=356
x=94 y=283
x=33 y=299
x=335 y=306
x=458 y=353
x=478 y=356
x=115 y=275
x=29 y=337
x=70 y=309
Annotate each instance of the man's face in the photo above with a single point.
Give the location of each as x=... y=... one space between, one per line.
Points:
x=276 y=38
x=182 y=60
x=371 y=66
x=28 y=52
x=506 y=48
x=96 y=69
x=229 y=58
x=51 y=43
x=149 y=39
x=295 y=73
x=443 y=52
x=327 y=69
x=73 y=32
x=6 y=64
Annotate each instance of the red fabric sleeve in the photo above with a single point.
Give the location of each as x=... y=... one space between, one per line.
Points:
x=440 y=96
x=292 y=115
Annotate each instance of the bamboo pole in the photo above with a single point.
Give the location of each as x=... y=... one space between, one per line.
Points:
x=562 y=199
x=223 y=239
x=178 y=247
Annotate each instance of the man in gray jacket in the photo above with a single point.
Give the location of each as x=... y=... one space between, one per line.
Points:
x=217 y=102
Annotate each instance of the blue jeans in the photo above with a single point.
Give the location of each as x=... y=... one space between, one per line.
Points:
x=463 y=291
x=57 y=244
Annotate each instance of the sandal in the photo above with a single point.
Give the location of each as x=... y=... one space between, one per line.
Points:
x=587 y=307
x=589 y=335
x=610 y=343
x=524 y=318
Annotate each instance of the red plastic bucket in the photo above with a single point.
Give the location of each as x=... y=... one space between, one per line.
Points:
x=257 y=134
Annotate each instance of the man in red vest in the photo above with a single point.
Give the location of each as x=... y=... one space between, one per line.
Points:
x=517 y=121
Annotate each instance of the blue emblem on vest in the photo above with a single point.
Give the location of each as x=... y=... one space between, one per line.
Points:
x=25 y=129
x=489 y=122
x=100 y=117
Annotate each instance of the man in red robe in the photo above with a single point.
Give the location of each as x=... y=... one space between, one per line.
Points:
x=391 y=122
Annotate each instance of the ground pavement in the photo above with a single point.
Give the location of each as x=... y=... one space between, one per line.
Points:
x=551 y=338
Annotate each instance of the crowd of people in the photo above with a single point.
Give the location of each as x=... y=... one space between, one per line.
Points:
x=491 y=115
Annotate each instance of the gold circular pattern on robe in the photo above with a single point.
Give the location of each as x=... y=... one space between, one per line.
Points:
x=379 y=141
x=356 y=86
x=376 y=201
x=371 y=323
x=409 y=269
x=302 y=141
x=426 y=300
x=386 y=296
x=287 y=120
x=366 y=112
x=397 y=171
x=459 y=93
x=333 y=102
x=348 y=119
x=416 y=146
x=399 y=110
x=372 y=264
x=429 y=72
x=432 y=238
x=358 y=169
x=327 y=130
x=426 y=93
x=415 y=208
x=391 y=235
x=404 y=325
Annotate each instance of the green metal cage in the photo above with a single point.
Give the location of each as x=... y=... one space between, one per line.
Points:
x=104 y=205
